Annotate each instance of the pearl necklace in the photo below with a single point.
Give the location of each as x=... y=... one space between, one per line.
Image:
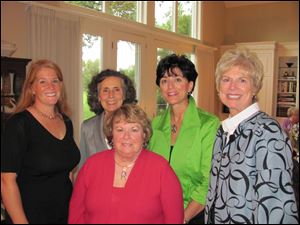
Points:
x=124 y=169
x=50 y=117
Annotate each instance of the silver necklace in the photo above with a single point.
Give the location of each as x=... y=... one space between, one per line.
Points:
x=174 y=128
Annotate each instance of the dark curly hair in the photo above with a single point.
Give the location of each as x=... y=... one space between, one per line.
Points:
x=128 y=89
x=168 y=63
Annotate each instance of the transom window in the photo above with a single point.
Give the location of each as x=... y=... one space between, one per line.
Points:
x=182 y=17
x=124 y=9
x=178 y=16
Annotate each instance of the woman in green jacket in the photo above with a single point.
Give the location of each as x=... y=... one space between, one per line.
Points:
x=184 y=134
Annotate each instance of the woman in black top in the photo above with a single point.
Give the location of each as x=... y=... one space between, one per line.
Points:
x=39 y=151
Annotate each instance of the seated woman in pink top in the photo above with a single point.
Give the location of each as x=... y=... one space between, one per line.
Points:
x=127 y=184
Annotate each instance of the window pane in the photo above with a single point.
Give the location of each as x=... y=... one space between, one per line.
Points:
x=185 y=17
x=128 y=61
x=96 y=5
x=161 y=105
x=91 y=65
x=123 y=9
x=163 y=14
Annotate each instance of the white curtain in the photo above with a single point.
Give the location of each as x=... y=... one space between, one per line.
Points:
x=56 y=36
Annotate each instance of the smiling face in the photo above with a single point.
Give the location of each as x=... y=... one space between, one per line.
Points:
x=174 y=88
x=46 y=87
x=236 y=90
x=110 y=93
x=128 y=138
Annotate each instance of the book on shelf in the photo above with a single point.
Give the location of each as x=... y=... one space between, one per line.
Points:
x=286 y=100
x=285 y=104
x=283 y=86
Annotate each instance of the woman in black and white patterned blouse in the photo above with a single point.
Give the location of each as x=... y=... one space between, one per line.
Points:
x=251 y=171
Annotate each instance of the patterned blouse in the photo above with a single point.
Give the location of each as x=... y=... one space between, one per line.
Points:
x=250 y=178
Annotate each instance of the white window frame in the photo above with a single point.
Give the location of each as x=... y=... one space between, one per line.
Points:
x=196 y=19
x=141 y=52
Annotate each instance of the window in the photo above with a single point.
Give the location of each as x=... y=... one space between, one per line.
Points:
x=128 y=60
x=163 y=15
x=178 y=16
x=96 y=5
x=130 y=10
x=182 y=17
x=91 y=65
x=123 y=9
x=128 y=56
x=129 y=47
x=185 y=17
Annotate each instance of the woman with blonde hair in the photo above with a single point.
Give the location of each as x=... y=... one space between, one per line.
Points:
x=292 y=118
x=251 y=169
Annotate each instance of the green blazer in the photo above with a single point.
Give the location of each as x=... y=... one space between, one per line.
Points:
x=192 y=152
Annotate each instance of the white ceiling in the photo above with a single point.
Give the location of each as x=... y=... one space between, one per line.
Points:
x=232 y=4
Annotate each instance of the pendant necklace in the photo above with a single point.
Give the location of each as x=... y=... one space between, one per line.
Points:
x=124 y=169
x=173 y=128
x=50 y=117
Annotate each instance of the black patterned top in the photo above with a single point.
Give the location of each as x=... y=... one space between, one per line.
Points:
x=251 y=175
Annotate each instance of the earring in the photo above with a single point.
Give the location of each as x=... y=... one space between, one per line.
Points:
x=111 y=143
x=189 y=93
x=145 y=144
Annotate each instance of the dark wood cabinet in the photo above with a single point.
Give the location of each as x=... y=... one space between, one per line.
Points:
x=13 y=72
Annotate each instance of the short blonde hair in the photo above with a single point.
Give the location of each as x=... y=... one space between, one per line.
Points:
x=246 y=60
x=292 y=111
x=130 y=113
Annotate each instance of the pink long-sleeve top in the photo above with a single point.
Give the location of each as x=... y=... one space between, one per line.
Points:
x=152 y=193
